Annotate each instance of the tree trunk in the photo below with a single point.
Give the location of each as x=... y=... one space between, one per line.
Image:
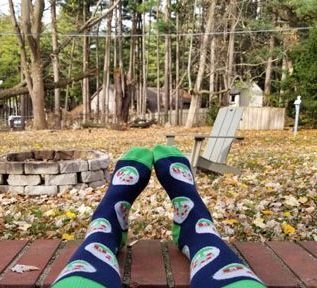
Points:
x=196 y=97
x=55 y=62
x=29 y=33
x=119 y=94
x=268 y=70
x=167 y=62
x=158 y=92
x=106 y=75
x=212 y=56
x=85 y=88
x=177 y=72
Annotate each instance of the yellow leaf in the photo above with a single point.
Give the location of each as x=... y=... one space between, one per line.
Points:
x=49 y=213
x=303 y=200
x=230 y=221
x=68 y=237
x=70 y=215
x=287 y=214
x=267 y=212
x=288 y=229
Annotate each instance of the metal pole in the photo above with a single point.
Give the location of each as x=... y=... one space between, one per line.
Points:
x=297 y=108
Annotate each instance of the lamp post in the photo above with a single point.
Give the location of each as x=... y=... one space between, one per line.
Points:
x=297 y=103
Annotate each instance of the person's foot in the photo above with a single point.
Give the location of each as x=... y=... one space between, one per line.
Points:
x=94 y=264
x=213 y=263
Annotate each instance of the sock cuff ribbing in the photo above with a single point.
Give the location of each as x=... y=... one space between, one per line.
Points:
x=78 y=282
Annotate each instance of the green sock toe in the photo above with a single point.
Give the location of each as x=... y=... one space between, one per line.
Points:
x=78 y=282
x=139 y=154
x=164 y=151
x=245 y=284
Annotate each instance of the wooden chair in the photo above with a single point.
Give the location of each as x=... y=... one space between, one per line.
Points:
x=215 y=155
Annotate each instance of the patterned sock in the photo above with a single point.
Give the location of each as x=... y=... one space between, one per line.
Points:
x=94 y=264
x=213 y=263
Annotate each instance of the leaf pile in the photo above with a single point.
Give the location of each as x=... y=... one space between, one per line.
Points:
x=275 y=197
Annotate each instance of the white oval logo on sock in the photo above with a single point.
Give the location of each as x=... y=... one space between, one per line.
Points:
x=203 y=257
x=127 y=175
x=234 y=270
x=204 y=225
x=122 y=209
x=186 y=252
x=99 y=225
x=76 y=266
x=103 y=253
x=181 y=172
x=182 y=207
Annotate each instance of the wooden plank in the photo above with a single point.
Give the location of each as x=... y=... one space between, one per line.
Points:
x=303 y=264
x=9 y=249
x=38 y=255
x=179 y=267
x=60 y=262
x=266 y=265
x=310 y=246
x=147 y=268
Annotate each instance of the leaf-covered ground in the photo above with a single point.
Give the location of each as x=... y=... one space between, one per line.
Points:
x=274 y=198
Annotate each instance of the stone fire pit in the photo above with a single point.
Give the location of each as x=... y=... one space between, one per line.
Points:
x=50 y=172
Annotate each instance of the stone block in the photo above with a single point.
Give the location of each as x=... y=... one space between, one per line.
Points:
x=24 y=180
x=100 y=163
x=1 y=179
x=96 y=184
x=13 y=189
x=73 y=166
x=41 y=168
x=107 y=175
x=40 y=190
x=44 y=155
x=3 y=167
x=64 y=155
x=11 y=168
x=22 y=156
x=62 y=179
x=91 y=176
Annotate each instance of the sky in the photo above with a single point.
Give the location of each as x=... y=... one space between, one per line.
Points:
x=4 y=8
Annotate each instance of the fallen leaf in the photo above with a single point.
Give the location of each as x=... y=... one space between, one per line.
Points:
x=20 y=268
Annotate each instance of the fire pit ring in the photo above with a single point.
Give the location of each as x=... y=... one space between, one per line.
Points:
x=49 y=172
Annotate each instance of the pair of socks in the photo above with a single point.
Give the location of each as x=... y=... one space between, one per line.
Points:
x=212 y=262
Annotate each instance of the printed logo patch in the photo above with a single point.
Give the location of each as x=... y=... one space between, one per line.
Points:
x=234 y=270
x=205 y=226
x=186 y=252
x=203 y=257
x=76 y=266
x=103 y=253
x=99 y=225
x=122 y=209
x=182 y=207
x=181 y=172
x=127 y=175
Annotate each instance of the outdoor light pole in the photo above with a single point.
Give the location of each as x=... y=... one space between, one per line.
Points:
x=297 y=103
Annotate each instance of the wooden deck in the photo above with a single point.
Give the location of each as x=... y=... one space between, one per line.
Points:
x=151 y=263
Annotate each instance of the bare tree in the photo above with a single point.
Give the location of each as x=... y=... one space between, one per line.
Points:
x=55 y=61
x=196 y=97
x=28 y=34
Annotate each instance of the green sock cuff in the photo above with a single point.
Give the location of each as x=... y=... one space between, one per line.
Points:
x=78 y=282
x=164 y=151
x=245 y=283
x=139 y=154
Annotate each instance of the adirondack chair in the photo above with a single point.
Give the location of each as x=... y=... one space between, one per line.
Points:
x=215 y=155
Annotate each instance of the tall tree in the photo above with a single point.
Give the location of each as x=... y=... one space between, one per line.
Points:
x=55 y=61
x=196 y=97
x=28 y=33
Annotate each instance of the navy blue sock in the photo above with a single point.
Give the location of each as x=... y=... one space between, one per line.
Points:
x=213 y=263
x=94 y=264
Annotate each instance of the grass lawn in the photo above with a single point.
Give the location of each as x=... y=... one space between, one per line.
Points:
x=275 y=198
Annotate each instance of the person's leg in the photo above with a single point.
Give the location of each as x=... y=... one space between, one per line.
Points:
x=94 y=264
x=212 y=262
